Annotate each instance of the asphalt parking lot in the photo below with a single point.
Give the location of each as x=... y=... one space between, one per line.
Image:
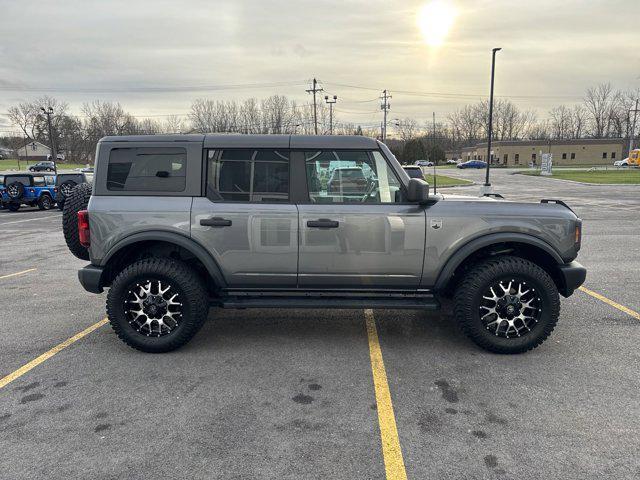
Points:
x=291 y=394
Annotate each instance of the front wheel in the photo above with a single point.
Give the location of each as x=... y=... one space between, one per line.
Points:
x=157 y=304
x=13 y=207
x=507 y=305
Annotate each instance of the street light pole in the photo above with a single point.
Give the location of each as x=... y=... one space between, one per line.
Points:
x=331 y=102
x=490 y=133
x=54 y=155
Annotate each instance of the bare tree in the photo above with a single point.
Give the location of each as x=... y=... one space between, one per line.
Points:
x=407 y=128
x=600 y=103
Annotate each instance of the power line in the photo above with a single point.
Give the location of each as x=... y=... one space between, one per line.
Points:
x=150 y=89
x=453 y=94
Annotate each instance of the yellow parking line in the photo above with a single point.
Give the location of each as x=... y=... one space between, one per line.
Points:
x=604 y=299
x=18 y=273
x=47 y=355
x=391 y=451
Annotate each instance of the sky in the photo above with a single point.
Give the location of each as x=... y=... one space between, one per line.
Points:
x=155 y=57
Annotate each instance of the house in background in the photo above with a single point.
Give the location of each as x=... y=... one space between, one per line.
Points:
x=582 y=151
x=33 y=150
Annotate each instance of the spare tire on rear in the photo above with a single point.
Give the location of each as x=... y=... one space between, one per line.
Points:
x=76 y=201
x=15 y=190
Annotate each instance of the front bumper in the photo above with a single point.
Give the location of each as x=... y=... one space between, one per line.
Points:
x=572 y=275
x=90 y=278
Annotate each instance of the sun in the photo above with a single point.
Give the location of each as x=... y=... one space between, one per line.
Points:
x=435 y=20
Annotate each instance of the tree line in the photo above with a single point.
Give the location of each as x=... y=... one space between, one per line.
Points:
x=603 y=112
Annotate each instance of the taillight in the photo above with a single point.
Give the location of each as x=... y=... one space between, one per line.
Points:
x=32 y=190
x=55 y=190
x=578 y=235
x=83 y=228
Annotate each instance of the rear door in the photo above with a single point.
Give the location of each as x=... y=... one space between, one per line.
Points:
x=358 y=236
x=246 y=219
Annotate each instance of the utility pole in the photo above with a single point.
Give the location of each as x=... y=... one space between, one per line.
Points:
x=384 y=107
x=493 y=71
x=433 y=153
x=314 y=90
x=633 y=126
x=331 y=102
x=54 y=154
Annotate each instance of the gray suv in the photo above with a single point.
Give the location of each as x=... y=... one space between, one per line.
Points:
x=176 y=224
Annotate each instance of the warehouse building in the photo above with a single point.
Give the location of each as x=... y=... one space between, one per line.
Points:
x=583 y=151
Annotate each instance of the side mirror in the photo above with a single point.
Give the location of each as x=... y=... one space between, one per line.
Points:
x=418 y=190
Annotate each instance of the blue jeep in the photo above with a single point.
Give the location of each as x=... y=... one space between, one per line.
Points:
x=28 y=189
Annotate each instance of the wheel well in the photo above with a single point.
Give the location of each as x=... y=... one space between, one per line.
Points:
x=155 y=248
x=523 y=250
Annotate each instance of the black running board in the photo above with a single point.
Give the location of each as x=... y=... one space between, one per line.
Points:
x=417 y=302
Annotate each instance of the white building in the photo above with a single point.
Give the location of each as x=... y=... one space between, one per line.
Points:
x=34 y=151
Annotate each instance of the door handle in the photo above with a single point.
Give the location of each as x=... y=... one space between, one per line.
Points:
x=215 y=222
x=322 y=223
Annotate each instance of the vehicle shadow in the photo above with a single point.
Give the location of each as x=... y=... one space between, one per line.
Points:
x=343 y=326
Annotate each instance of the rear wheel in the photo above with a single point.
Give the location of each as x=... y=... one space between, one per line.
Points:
x=78 y=200
x=157 y=304
x=45 y=202
x=507 y=305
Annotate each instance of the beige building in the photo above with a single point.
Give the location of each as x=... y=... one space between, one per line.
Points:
x=584 y=151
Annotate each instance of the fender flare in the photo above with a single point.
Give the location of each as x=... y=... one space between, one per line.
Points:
x=183 y=241
x=460 y=255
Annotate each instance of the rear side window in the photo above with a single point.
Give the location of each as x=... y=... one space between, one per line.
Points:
x=38 y=181
x=26 y=181
x=247 y=175
x=147 y=169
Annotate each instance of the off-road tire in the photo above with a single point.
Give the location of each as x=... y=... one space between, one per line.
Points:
x=45 y=202
x=469 y=292
x=194 y=302
x=61 y=205
x=13 y=207
x=19 y=186
x=78 y=200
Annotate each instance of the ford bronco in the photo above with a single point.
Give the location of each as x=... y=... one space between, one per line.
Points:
x=178 y=223
x=28 y=189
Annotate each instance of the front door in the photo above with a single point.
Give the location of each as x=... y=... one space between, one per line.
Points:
x=355 y=230
x=246 y=220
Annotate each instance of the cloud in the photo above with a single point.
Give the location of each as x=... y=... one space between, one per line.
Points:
x=549 y=48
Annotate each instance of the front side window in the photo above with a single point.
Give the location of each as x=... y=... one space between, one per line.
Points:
x=147 y=169
x=247 y=175
x=38 y=182
x=354 y=176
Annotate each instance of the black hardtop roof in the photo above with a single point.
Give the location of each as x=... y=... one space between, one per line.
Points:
x=30 y=174
x=220 y=140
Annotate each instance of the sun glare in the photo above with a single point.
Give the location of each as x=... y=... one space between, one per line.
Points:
x=435 y=20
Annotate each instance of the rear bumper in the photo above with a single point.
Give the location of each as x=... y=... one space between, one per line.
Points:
x=572 y=275
x=90 y=278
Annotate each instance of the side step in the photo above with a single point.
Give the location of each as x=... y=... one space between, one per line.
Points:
x=415 y=302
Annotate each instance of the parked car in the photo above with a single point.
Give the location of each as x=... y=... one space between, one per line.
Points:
x=621 y=163
x=472 y=164
x=347 y=180
x=423 y=163
x=413 y=171
x=43 y=167
x=65 y=183
x=87 y=170
x=28 y=189
x=59 y=157
x=170 y=236
x=451 y=161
